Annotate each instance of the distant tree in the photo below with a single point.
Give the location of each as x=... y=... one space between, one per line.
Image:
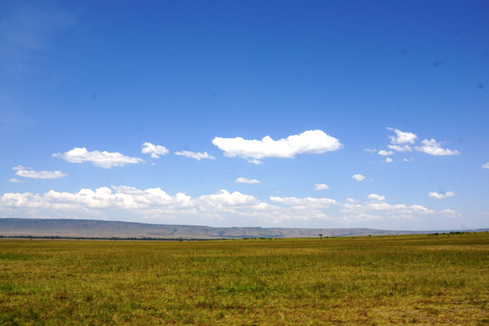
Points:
x=320 y=236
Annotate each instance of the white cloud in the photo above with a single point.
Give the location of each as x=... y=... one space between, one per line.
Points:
x=351 y=200
x=246 y=180
x=373 y=150
x=197 y=156
x=388 y=160
x=321 y=186
x=307 y=202
x=225 y=199
x=157 y=204
x=101 y=159
x=385 y=153
x=378 y=210
x=358 y=177
x=14 y=180
x=40 y=174
x=20 y=167
x=154 y=150
x=408 y=160
x=486 y=166
x=400 y=142
x=376 y=197
x=257 y=162
x=433 y=148
x=449 y=212
x=308 y=142
x=405 y=148
x=442 y=195
x=401 y=137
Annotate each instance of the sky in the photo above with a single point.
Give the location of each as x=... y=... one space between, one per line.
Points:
x=303 y=114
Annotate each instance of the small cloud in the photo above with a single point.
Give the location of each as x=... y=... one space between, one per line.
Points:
x=402 y=137
x=254 y=161
x=14 y=180
x=408 y=160
x=441 y=196
x=376 y=197
x=40 y=174
x=449 y=212
x=351 y=200
x=358 y=177
x=154 y=150
x=246 y=180
x=486 y=166
x=101 y=159
x=433 y=148
x=388 y=160
x=321 y=186
x=197 y=156
x=405 y=148
x=385 y=153
x=373 y=150
x=20 y=167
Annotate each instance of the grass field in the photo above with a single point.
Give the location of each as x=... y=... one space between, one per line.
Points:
x=418 y=279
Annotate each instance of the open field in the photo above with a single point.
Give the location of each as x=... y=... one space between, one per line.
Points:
x=422 y=279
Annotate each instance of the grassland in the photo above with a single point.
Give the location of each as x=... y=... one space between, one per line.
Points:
x=342 y=281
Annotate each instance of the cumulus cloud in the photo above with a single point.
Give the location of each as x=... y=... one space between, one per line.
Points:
x=197 y=156
x=156 y=203
x=127 y=198
x=101 y=159
x=405 y=148
x=433 y=148
x=408 y=160
x=400 y=142
x=378 y=209
x=307 y=202
x=351 y=200
x=358 y=177
x=376 y=197
x=442 y=195
x=14 y=180
x=486 y=166
x=29 y=173
x=385 y=153
x=321 y=186
x=388 y=160
x=402 y=138
x=308 y=142
x=246 y=180
x=225 y=199
x=154 y=150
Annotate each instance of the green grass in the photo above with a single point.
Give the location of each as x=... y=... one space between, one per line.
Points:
x=362 y=280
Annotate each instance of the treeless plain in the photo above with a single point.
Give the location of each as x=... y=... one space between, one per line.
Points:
x=422 y=279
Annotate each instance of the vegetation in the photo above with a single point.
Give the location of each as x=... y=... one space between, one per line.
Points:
x=370 y=280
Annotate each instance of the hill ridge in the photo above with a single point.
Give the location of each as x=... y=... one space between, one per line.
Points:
x=107 y=229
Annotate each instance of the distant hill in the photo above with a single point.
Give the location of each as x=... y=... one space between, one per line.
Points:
x=109 y=229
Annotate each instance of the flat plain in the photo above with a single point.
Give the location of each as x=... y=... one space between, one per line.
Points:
x=420 y=279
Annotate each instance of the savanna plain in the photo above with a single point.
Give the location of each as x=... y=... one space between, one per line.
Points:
x=421 y=279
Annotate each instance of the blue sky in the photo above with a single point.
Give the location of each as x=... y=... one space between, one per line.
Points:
x=252 y=113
